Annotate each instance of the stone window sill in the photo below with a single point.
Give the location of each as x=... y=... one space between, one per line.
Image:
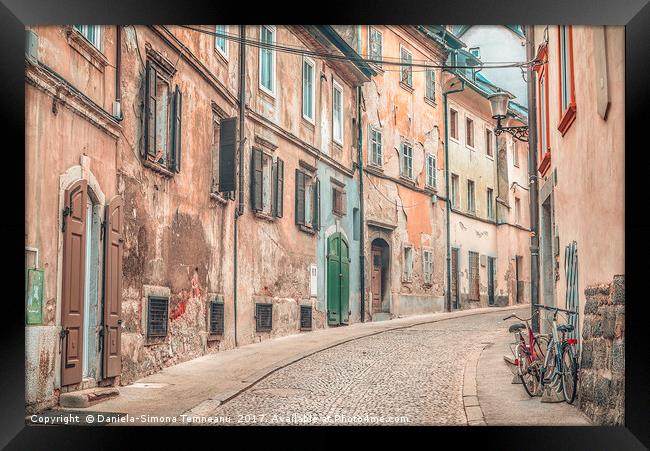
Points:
x=265 y=216
x=430 y=101
x=307 y=229
x=219 y=198
x=406 y=86
x=156 y=167
x=85 y=48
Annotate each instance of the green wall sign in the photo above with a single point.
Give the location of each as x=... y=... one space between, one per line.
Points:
x=34 y=296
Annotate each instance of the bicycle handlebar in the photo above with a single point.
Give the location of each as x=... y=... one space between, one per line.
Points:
x=556 y=309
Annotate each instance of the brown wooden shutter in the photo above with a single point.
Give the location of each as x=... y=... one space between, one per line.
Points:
x=316 y=205
x=176 y=130
x=279 y=188
x=114 y=226
x=227 y=153
x=344 y=202
x=150 y=110
x=300 y=197
x=74 y=269
x=256 y=180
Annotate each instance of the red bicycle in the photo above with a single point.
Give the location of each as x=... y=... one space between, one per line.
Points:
x=529 y=353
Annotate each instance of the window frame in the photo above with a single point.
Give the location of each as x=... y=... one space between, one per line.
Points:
x=309 y=62
x=381 y=51
x=515 y=153
x=371 y=132
x=340 y=193
x=337 y=87
x=407 y=276
x=271 y=92
x=490 y=203
x=403 y=160
x=225 y=51
x=489 y=143
x=567 y=114
x=430 y=82
x=544 y=136
x=408 y=83
x=433 y=169
x=427 y=266
x=517 y=211
x=471 y=199
x=98 y=41
x=469 y=129
x=455 y=191
x=453 y=131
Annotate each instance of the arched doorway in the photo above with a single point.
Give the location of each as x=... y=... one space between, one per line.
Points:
x=338 y=280
x=379 y=273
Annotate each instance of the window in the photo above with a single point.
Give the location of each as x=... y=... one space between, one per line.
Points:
x=305 y=317
x=93 y=33
x=263 y=317
x=408 y=264
x=157 y=316
x=406 y=167
x=431 y=85
x=356 y=226
x=216 y=318
x=376 y=156
x=567 y=88
x=267 y=59
x=476 y=51
x=267 y=184
x=220 y=41
x=337 y=113
x=454 y=191
x=474 y=294
x=308 y=89
x=307 y=211
x=517 y=211
x=427 y=265
x=453 y=123
x=216 y=131
x=163 y=111
x=469 y=132
x=471 y=206
x=515 y=154
x=375 y=43
x=489 y=143
x=406 y=73
x=339 y=200
x=490 y=203
x=431 y=171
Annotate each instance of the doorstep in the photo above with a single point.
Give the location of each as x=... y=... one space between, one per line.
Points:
x=85 y=398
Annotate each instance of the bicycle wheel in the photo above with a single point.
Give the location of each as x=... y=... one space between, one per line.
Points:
x=569 y=374
x=551 y=362
x=527 y=373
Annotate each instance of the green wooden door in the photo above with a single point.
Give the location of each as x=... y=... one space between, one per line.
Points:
x=338 y=280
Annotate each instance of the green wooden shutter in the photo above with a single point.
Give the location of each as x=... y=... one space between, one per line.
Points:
x=279 y=188
x=256 y=180
x=300 y=197
x=316 y=205
x=227 y=154
x=176 y=130
x=149 y=111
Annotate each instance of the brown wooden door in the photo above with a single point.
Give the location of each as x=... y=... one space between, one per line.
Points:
x=113 y=287
x=376 y=279
x=74 y=260
x=454 y=278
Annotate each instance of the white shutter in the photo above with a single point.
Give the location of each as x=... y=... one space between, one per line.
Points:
x=313 y=280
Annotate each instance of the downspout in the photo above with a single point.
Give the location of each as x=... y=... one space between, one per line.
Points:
x=532 y=180
x=448 y=194
x=362 y=271
x=240 y=208
x=118 y=64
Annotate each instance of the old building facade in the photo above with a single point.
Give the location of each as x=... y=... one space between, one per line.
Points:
x=580 y=155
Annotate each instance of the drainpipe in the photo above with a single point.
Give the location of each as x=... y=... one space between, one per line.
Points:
x=532 y=180
x=448 y=195
x=118 y=64
x=240 y=207
x=362 y=271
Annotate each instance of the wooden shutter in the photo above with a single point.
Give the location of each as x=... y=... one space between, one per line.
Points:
x=300 y=197
x=113 y=250
x=150 y=110
x=227 y=154
x=256 y=180
x=74 y=269
x=176 y=130
x=316 y=205
x=278 y=195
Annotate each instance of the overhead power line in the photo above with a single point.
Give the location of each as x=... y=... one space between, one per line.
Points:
x=386 y=60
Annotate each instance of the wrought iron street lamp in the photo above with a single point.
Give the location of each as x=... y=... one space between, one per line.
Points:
x=499 y=106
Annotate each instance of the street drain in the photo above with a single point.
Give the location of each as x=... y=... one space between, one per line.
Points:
x=281 y=392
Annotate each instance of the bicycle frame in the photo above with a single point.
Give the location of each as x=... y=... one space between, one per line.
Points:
x=559 y=342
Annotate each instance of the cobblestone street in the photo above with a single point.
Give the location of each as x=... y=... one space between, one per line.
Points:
x=414 y=374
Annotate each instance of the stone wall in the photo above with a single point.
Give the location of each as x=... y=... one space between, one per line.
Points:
x=601 y=387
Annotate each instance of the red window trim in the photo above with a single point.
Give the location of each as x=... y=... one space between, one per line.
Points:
x=569 y=115
x=542 y=72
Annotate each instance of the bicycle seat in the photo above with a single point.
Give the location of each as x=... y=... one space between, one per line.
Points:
x=516 y=327
x=565 y=328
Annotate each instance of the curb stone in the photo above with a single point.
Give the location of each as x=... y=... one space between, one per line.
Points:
x=471 y=404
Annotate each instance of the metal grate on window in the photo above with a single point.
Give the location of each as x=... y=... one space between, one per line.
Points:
x=216 y=318
x=157 y=317
x=305 y=317
x=263 y=317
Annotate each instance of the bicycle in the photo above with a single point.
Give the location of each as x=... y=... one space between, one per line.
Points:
x=528 y=354
x=561 y=357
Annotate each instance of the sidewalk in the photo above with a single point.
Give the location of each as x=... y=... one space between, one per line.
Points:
x=505 y=403
x=213 y=379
